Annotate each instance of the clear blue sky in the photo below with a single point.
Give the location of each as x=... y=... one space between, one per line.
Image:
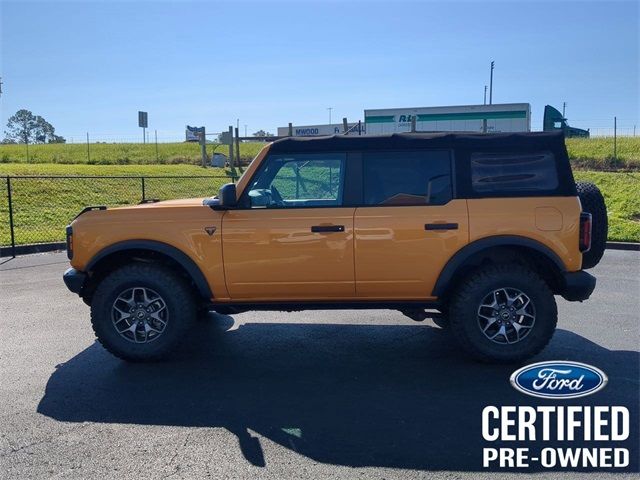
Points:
x=90 y=66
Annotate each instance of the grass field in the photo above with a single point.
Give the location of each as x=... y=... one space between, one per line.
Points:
x=589 y=153
x=42 y=207
x=597 y=153
x=118 y=153
x=621 y=192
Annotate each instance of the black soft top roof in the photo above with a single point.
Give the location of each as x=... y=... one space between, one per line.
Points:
x=466 y=141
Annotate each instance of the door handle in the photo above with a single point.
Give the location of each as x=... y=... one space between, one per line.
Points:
x=441 y=226
x=327 y=228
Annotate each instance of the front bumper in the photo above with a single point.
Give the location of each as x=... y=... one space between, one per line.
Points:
x=578 y=286
x=74 y=280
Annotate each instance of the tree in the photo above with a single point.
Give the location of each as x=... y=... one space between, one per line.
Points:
x=21 y=127
x=25 y=127
x=262 y=133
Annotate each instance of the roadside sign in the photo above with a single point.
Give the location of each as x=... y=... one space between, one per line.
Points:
x=142 y=119
x=192 y=134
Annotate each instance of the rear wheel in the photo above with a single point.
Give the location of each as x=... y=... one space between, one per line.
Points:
x=592 y=202
x=140 y=312
x=503 y=313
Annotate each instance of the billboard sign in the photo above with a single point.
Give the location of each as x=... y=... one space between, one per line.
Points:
x=192 y=134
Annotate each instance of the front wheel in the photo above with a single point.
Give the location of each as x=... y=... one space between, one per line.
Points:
x=140 y=312
x=503 y=313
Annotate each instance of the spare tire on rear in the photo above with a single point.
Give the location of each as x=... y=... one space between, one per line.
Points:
x=593 y=202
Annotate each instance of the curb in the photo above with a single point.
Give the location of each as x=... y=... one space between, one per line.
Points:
x=50 y=247
x=623 y=246
x=37 y=248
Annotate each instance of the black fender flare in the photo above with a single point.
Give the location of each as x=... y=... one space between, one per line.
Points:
x=170 y=251
x=465 y=253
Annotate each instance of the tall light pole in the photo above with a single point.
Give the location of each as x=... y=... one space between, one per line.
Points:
x=245 y=130
x=485 y=94
x=564 y=106
x=491 y=84
x=330 y=108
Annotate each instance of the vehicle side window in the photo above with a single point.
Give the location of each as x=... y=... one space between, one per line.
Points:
x=300 y=180
x=513 y=172
x=407 y=177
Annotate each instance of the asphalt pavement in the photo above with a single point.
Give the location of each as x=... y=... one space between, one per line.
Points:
x=305 y=395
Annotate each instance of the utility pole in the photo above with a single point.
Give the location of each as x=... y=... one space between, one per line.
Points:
x=485 y=95
x=0 y=86
x=329 y=108
x=564 y=106
x=491 y=84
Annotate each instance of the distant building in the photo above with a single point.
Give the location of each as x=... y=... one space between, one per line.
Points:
x=319 y=130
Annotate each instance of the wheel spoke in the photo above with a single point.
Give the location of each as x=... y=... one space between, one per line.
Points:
x=501 y=331
x=489 y=323
x=524 y=313
x=124 y=315
x=148 y=328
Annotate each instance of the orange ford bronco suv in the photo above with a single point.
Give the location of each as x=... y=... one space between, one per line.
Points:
x=478 y=232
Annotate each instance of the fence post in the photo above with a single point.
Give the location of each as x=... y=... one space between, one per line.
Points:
x=231 y=160
x=143 y=189
x=11 y=229
x=237 y=147
x=155 y=132
x=615 y=140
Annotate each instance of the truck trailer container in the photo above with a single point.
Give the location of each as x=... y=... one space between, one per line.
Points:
x=499 y=117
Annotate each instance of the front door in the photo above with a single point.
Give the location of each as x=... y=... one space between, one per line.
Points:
x=291 y=239
x=409 y=225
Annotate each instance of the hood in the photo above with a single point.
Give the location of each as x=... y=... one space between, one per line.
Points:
x=183 y=202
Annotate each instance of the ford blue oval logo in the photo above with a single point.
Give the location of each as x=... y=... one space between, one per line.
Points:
x=558 y=379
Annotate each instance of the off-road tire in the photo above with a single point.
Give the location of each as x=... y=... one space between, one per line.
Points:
x=593 y=202
x=465 y=301
x=174 y=290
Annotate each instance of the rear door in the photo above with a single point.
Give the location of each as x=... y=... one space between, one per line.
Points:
x=409 y=225
x=292 y=239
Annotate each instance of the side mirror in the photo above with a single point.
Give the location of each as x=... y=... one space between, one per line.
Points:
x=227 y=196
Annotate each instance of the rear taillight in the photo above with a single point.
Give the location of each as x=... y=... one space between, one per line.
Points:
x=585 y=232
x=69 y=242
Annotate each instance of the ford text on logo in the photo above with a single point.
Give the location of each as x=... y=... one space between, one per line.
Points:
x=558 y=379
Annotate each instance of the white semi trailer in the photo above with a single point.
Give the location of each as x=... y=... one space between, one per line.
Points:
x=499 y=117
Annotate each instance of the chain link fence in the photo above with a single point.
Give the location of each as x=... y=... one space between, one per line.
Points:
x=36 y=209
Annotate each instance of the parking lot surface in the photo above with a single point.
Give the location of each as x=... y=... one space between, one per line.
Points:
x=323 y=394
